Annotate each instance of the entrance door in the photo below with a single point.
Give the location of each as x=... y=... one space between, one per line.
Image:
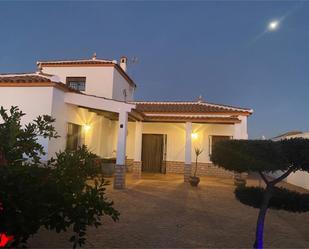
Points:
x=152 y=153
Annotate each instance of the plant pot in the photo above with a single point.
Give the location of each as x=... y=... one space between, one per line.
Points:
x=194 y=181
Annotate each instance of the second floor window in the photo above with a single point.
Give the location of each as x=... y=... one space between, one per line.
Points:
x=77 y=83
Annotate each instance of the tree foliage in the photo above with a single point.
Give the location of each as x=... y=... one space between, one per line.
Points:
x=262 y=155
x=19 y=143
x=282 y=198
x=64 y=194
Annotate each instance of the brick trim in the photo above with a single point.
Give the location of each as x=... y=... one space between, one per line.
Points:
x=137 y=169
x=120 y=177
x=204 y=169
x=129 y=165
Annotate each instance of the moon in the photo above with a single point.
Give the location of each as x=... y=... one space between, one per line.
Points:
x=273 y=25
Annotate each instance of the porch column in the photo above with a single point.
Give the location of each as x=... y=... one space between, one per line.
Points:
x=120 y=168
x=137 y=163
x=187 y=166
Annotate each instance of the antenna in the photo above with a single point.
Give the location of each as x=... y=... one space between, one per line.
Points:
x=134 y=60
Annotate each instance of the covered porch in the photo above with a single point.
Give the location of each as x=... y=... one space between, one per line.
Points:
x=150 y=142
x=169 y=147
x=103 y=128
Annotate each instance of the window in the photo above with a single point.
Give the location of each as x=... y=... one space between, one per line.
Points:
x=214 y=139
x=77 y=83
x=74 y=138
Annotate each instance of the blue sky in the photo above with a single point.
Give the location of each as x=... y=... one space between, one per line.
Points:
x=185 y=49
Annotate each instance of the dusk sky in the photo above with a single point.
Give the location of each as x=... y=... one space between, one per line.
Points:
x=219 y=50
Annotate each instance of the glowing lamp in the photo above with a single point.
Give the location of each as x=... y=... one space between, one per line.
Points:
x=194 y=135
x=86 y=127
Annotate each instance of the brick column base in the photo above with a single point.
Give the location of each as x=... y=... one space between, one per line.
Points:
x=137 y=169
x=187 y=172
x=120 y=177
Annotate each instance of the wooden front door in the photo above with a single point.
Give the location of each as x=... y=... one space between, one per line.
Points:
x=152 y=152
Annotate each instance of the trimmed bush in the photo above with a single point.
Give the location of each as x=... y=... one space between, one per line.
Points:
x=282 y=198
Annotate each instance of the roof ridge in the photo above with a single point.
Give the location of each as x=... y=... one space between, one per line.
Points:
x=204 y=103
x=76 y=60
x=17 y=74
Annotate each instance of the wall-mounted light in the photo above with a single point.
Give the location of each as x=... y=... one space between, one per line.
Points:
x=86 y=127
x=194 y=135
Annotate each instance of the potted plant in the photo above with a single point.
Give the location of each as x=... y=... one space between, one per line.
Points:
x=194 y=180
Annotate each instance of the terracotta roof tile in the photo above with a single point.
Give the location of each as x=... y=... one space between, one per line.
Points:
x=76 y=62
x=88 y=62
x=290 y=133
x=192 y=118
x=187 y=107
x=28 y=78
x=32 y=79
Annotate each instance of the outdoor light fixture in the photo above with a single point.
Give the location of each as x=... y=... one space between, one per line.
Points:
x=194 y=135
x=86 y=127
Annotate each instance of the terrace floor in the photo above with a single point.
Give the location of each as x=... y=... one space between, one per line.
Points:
x=160 y=211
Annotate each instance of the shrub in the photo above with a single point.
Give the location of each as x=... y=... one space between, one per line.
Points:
x=65 y=193
x=262 y=157
x=282 y=198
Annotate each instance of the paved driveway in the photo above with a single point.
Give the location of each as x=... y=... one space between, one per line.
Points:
x=161 y=212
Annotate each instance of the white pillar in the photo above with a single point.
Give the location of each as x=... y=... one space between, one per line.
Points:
x=188 y=149
x=137 y=163
x=120 y=168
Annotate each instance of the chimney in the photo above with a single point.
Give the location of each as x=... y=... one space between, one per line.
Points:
x=123 y=63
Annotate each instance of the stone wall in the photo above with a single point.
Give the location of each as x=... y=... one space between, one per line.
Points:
x=129 y=165
x=204 y=169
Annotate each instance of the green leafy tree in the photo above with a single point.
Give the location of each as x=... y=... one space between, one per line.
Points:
x=20 y=143
x=263 y=157
x=66 y=193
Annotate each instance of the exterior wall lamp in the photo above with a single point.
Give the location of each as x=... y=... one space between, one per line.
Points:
x=194 y=136
x=86 y=127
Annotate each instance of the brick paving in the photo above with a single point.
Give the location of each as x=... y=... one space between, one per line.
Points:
x=160 y=211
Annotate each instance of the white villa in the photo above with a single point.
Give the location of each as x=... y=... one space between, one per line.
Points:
x=93 y=103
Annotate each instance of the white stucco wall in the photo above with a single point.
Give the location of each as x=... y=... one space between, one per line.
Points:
x=300 y=178
x=120 y=85
x=33 y=101
x=99 y=80
x=176 y=138
x=99 y=138
x=241 y=129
